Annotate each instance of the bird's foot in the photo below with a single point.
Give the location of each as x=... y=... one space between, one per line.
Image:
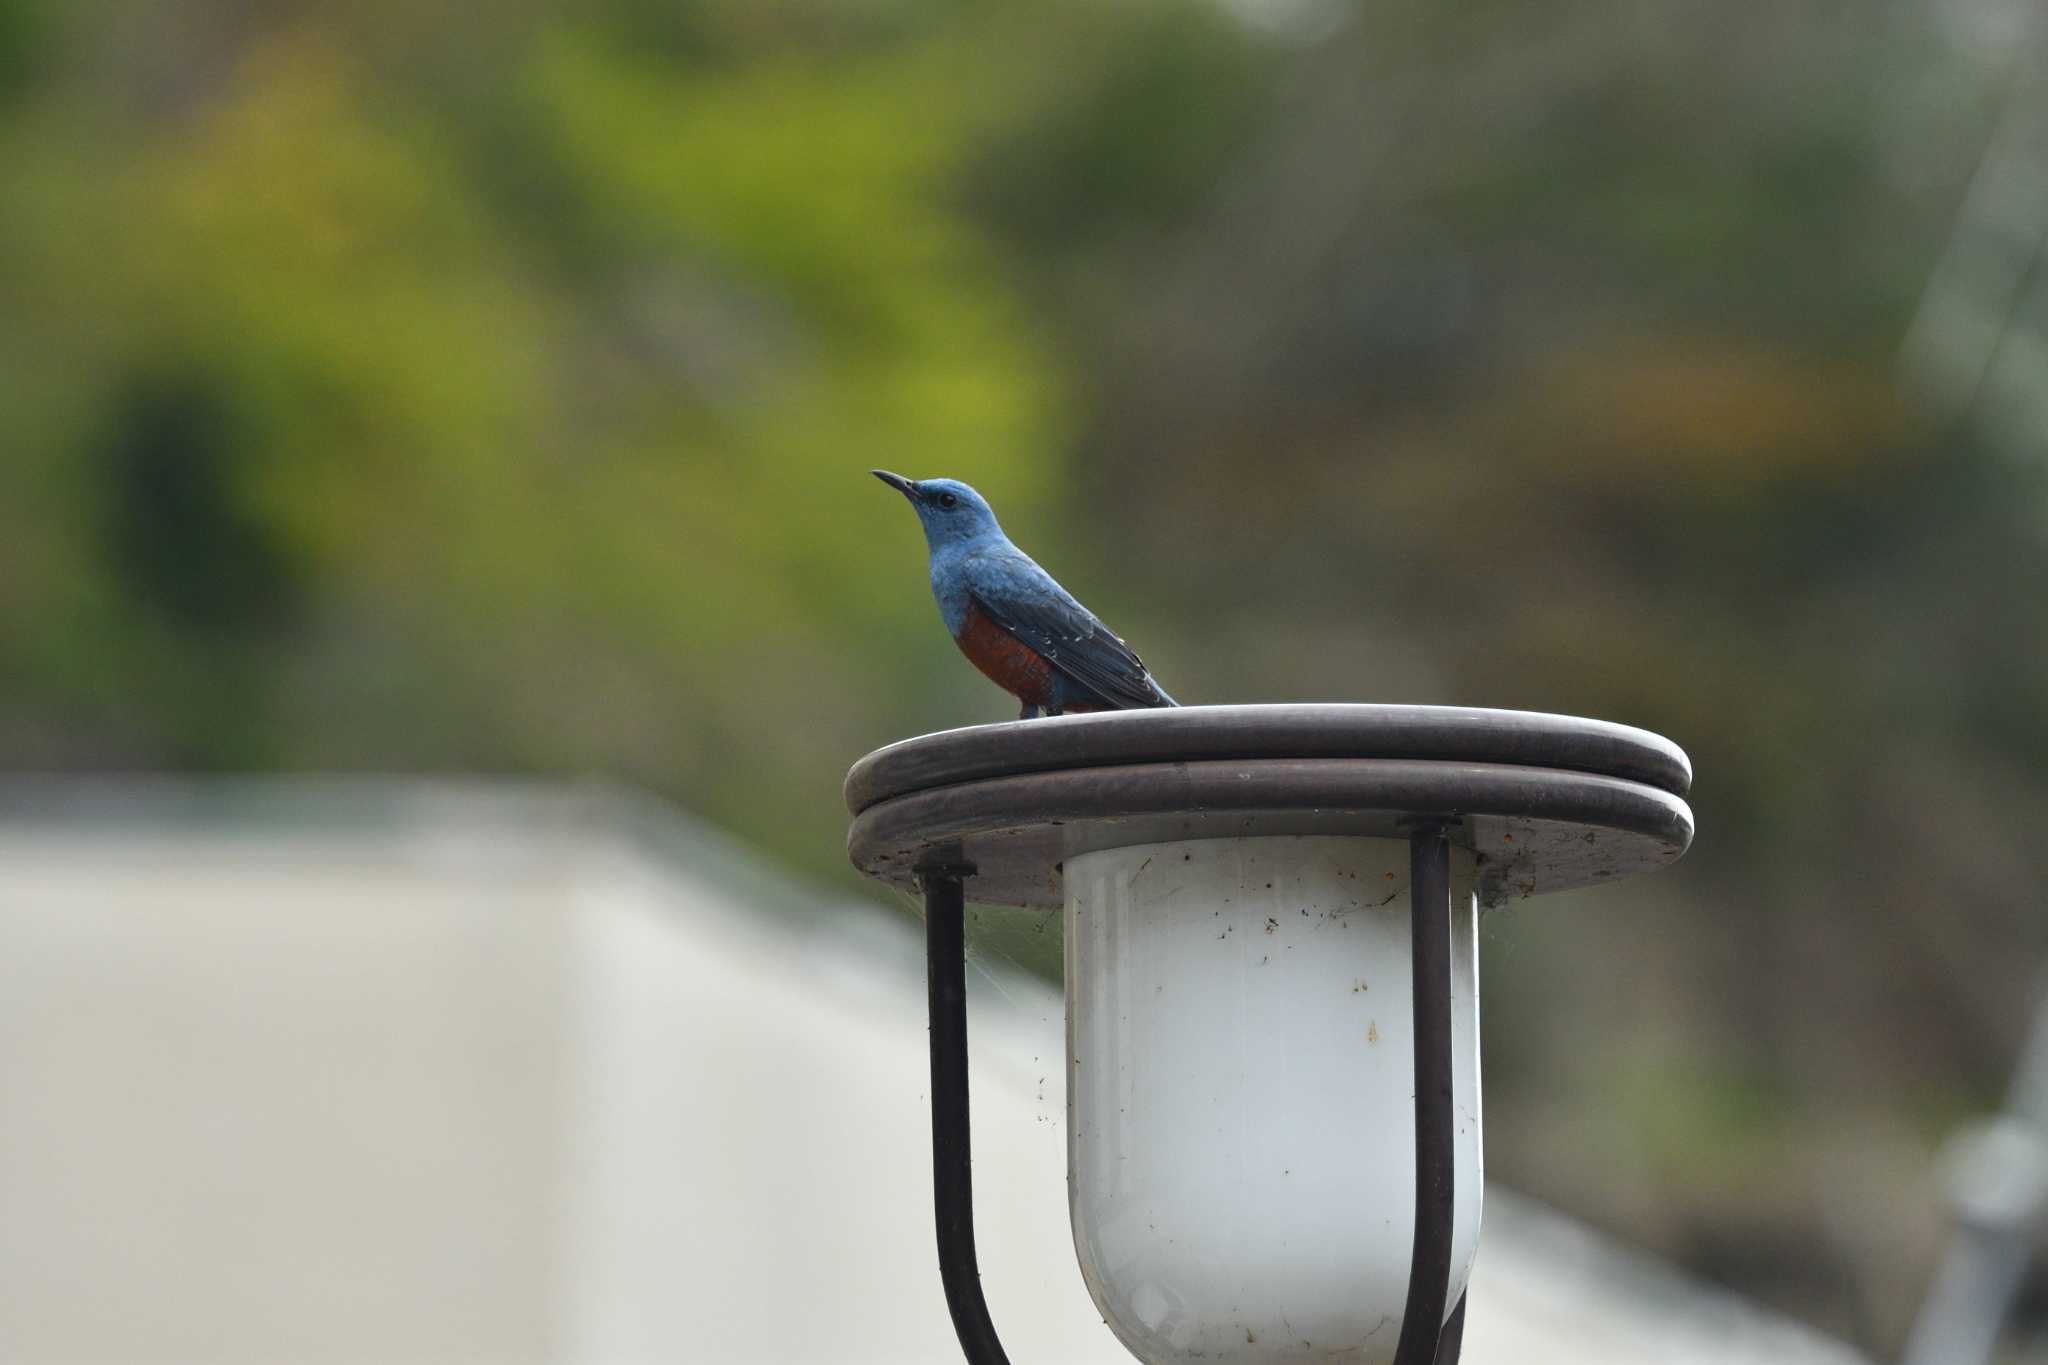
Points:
x=1029 y=712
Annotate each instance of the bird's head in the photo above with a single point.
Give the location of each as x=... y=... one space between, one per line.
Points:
x=949 y=509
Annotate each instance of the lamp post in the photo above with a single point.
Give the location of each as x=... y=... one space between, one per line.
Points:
x=1273 y=1136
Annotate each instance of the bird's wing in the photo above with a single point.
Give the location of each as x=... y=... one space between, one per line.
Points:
x=1023 y=599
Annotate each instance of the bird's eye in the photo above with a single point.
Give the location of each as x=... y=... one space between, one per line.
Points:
x=948 y=500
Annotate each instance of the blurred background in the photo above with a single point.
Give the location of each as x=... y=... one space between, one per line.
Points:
x=399 y=388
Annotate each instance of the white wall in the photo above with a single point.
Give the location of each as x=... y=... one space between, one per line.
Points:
x=273 y=1109
x=494 y=1095
x=750 y=1150
x=394 y=1073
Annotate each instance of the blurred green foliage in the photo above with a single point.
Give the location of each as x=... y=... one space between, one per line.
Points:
x=413 y=387
x=508 y=426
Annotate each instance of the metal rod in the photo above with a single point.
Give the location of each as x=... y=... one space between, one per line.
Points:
x=945 y=914
x=1423 y=1330
x=1453 y=1340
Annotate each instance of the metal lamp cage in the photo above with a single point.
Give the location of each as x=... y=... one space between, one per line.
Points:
x=1544 y=802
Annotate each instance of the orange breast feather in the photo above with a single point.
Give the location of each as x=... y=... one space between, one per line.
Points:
x=1007 y=661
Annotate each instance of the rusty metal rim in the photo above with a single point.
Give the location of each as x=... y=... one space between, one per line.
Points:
x=1324 y=730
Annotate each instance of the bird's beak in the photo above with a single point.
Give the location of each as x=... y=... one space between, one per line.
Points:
x=897 y=482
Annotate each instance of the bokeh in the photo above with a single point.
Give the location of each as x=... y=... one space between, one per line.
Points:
x=420 y=387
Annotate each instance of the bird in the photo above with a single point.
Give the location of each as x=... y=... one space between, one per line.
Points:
x=1012 y=620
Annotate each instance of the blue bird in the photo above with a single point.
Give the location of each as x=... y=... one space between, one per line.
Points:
x=1011 y=620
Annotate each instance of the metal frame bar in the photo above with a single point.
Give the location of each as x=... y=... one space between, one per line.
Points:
x=1424 y=1333
x=945 y=947
x=1427 y=1337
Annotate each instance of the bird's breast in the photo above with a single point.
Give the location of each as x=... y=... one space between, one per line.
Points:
x=1005 y=660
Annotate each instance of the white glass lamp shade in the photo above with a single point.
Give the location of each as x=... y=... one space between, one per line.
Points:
x=1240 y=1098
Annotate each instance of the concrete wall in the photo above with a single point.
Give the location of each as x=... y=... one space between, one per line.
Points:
x=393 y=1073
x=480 y=1085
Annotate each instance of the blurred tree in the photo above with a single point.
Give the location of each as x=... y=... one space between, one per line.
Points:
x=556 y=441
x=397 y=387
x=176 y=536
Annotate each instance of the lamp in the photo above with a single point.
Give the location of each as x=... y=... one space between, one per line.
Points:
x=1269 y=917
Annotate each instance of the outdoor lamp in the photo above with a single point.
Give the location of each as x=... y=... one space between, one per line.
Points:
x=1269 y=914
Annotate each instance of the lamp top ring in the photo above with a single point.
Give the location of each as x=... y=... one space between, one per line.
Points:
x=1274 y=730
x=1547 y=802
